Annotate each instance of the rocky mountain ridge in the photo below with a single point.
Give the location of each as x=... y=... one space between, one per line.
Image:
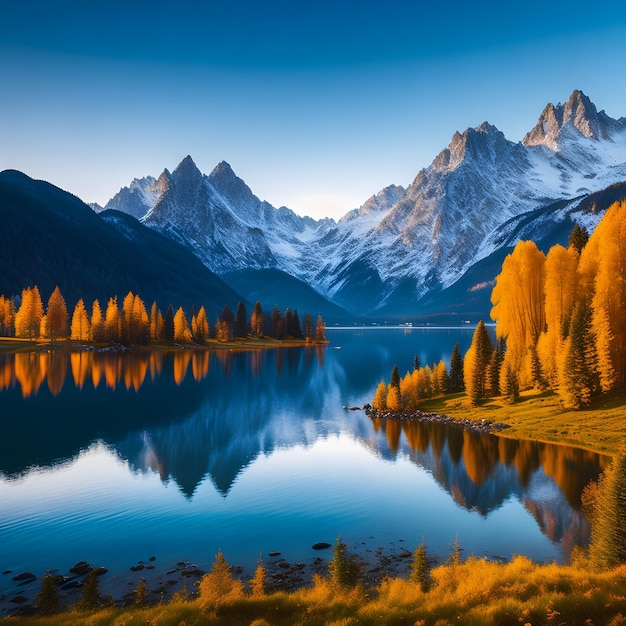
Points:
x=401 y=244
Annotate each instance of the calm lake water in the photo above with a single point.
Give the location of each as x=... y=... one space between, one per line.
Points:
x=111 y=458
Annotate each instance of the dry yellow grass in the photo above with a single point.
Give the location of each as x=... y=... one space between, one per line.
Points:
x=600 y=427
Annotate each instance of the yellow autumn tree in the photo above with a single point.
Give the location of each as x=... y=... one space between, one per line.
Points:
x=408 y=391
x=182 y=334
x=155 y=327
x=80 y=322
x=97 y=322
x=28 y=316
x=200 y=326
x=518 y=301
x=608 y=305
x=141 y=321
x=112 y=321
x=561 y=281
x=57 y=316
x=7 y=316
x=380 y=397
x=394 y=400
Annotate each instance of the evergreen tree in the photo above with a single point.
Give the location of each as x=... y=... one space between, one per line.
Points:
x=91 y=592
x=492 y=382
x=168 y=324
x=420 y=569
x=257 y=583
x=277 y=323
x=477 y=359
x=308 y=326
x=228 y=317
x=608 y=527
x=219 y=585
x=295 y=330
x=604 y=341
x=320 y=329
x=394 y=379
x=344 y=568
x=576 y=372
x=535 y=372
x=455 y=557
x=241 y=321
x=257 y=320
x=456 y=370
x=509 y=386
x=578 y=238
x=48 y=602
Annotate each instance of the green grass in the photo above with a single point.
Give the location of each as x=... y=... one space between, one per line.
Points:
x=475 y=592
x=601 y=427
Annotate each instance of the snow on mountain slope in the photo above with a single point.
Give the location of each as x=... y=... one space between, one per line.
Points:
x=412 y=240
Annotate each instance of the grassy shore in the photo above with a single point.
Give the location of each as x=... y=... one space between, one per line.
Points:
x=13 y=344
x=601 y=427
x=474 y=592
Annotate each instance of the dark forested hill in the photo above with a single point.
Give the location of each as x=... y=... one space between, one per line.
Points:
x=50 y=237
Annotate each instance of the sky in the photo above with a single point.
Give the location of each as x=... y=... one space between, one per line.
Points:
x=315 y=105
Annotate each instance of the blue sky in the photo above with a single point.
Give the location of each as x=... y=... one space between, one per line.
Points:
x=316 y=105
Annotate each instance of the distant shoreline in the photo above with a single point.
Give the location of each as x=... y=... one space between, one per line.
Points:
x=10 y=345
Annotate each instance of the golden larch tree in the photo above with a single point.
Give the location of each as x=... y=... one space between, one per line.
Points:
x=182 y=334
x=380 y=397
x=200 y=326
x=97 y=322
x=7 y=317
x=28 y=316
x=112 y=321
x=560 y=289
x=518 y=301
x=80 y=329
x=57 y=316
x=608 y=243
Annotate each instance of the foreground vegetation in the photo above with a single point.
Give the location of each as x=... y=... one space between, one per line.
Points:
x=475 y=591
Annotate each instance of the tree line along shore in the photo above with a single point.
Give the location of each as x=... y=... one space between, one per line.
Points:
x=131 y=324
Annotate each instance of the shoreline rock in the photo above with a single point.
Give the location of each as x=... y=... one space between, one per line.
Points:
x=481 y=426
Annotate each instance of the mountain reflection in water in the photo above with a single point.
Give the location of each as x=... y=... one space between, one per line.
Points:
x=192 y=415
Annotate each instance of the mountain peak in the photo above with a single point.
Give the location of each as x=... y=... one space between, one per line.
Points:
x=186 y=173
x=186 y=165
x=578 y=117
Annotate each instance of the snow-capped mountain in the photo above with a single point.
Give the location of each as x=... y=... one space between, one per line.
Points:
x=401 y=243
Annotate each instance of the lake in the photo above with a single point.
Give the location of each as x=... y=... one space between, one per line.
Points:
x=112 y=458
